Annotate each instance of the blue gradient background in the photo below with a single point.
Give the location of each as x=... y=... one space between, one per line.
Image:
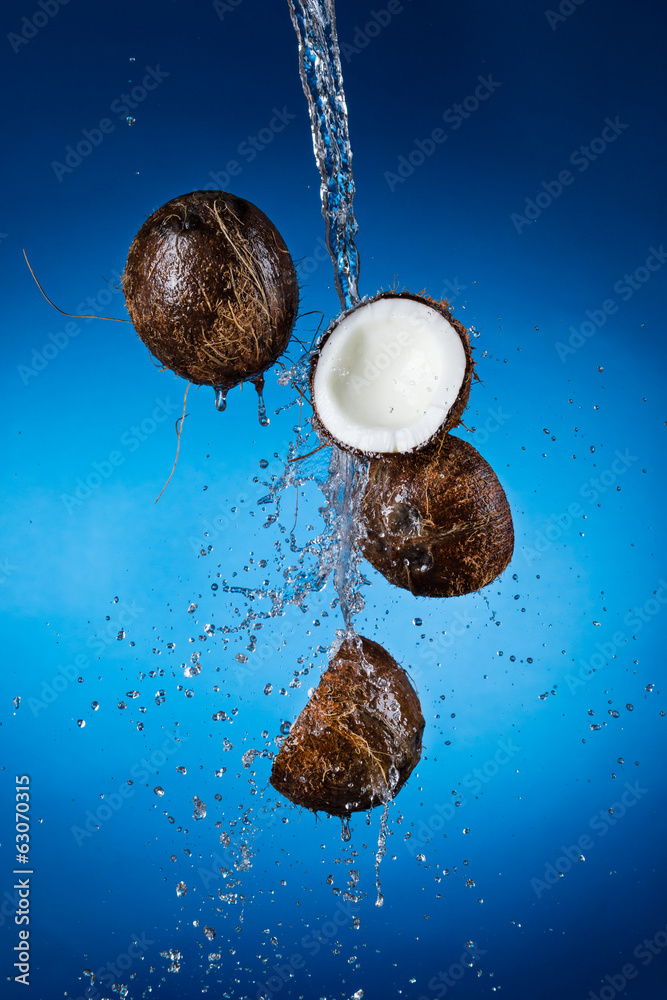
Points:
x=505 y=664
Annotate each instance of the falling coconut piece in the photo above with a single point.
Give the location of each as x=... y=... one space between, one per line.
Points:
x=359 y=737
x=211 y=288
x=391 y=374
x=437 y=522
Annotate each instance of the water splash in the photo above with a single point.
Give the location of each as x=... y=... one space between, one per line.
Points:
x=334 y=552
x=322 y=78
x=344 y=490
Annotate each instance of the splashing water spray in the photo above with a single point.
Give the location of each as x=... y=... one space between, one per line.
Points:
x=327 y=717
x=388 y=380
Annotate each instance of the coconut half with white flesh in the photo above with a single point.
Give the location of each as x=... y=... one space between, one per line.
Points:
x=391 y=374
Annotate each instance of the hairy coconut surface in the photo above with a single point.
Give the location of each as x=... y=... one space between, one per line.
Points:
x=390 y=374
x=359 y=737
x=211 y=288
x=437 y=522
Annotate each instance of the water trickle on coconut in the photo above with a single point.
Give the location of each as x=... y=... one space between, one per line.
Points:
x=341 y=475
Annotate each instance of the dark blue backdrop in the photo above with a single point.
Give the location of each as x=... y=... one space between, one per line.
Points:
x=510 y=158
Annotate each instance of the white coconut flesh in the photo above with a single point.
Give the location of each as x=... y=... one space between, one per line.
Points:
x=388 y=375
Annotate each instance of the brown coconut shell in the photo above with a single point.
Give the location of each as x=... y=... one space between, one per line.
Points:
x=437 y=521
x=453 y=418
x=211 y=288
x=359 y=737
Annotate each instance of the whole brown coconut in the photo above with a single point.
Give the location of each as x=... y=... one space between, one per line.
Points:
x=211 y=288
x=437 y=522
x=359 y=737
x=391 y=374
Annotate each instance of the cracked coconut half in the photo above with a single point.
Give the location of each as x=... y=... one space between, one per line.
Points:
x=391 y=374
x=437 y=522
x=359 y=737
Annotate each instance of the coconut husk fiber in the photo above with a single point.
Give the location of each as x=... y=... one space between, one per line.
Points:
x=359 y=737
x=211 y=288
x=437 y=521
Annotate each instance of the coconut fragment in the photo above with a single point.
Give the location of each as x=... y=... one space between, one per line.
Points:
x=391 y=374
x=211 y=288
x=437 y=522
x=358 y=739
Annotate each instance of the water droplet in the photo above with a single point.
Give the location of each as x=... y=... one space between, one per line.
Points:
x=81 y=723
x=248 y=757
x=181 y=889
x=17 y=701
x=268 y=688
x=209 y=932
x=261 y=408
x=159 y=791
x=345 y=832
x=220 y=398
x=200 y=808
x=130 y=119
